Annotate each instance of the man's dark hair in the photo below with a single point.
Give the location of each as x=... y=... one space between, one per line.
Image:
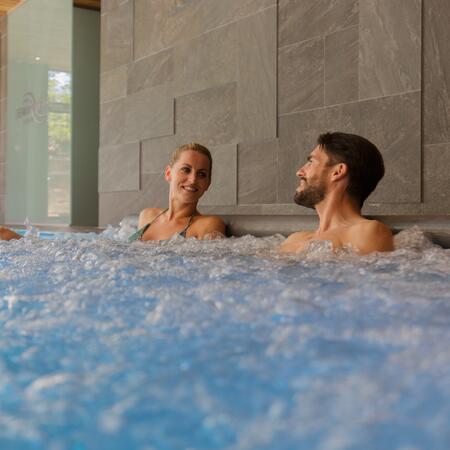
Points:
x=363 y=159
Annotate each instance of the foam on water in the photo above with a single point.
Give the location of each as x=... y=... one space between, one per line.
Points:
x=222 y=344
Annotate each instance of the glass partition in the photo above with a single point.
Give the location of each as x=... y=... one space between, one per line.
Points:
x=39 y=98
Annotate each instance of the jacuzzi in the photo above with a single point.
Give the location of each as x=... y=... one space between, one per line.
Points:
x=222 y=344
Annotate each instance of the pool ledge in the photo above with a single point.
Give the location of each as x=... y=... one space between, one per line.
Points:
x=436 y=227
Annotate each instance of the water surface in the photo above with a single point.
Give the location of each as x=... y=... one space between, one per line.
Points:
x=222 y=345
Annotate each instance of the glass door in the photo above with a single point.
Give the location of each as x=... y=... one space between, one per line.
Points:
x=39 y=99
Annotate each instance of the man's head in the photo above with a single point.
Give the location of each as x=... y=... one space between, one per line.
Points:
x=340 y=155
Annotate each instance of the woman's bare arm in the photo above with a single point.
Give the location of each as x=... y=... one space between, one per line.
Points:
x=6 y=234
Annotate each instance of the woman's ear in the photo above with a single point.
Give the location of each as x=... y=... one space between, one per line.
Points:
x=168 y=173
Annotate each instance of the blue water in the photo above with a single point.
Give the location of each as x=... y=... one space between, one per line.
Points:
x=222 y=345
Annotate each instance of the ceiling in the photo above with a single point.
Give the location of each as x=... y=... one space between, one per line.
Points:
x=8 y=5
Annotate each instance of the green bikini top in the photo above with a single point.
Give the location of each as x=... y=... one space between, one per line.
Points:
x=137 y=236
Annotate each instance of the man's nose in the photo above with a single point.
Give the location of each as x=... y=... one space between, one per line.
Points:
x=300 y=172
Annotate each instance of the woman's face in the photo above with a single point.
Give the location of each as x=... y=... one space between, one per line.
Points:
x=190 y=176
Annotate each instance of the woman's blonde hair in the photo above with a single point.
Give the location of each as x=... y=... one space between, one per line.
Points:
x=194 y=146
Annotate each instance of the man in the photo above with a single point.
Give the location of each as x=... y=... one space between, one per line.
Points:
x=338 y=176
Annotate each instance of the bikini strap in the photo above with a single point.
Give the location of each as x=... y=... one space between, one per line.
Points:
x=154 y=219
x=183 y=233
x=137 y=236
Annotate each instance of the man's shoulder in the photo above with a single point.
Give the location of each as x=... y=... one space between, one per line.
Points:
x=371 y=236
x=371 y=226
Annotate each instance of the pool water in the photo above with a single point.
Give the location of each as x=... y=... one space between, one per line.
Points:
x=223 y=344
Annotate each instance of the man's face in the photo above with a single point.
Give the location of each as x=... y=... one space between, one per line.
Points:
x=313 y=179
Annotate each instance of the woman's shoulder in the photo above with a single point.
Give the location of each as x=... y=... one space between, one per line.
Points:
x=210 y=220
x=147 y=215
x=206 y=225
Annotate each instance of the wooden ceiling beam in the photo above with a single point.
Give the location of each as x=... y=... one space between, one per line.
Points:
x=7 y=5
x=87 y=4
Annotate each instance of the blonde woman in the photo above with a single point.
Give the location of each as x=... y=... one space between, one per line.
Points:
x=189 y=177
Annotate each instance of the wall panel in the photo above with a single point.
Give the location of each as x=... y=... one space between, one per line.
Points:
x=257 y=81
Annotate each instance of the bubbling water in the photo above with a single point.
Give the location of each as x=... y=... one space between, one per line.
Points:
x=222 y=344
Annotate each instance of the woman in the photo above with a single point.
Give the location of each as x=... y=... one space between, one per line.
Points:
x=189 y=177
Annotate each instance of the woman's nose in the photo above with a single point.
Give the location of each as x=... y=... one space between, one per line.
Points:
x=192 y=176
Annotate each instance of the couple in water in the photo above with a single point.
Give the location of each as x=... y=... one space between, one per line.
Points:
x=340 y=173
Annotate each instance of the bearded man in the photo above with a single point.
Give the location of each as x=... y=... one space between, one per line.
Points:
x=340 y=173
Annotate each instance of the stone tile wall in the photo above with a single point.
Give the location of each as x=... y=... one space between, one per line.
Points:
x=2 y=116
x=257 y=81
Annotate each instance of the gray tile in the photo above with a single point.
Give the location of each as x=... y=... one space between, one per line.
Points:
x=257 y=87
x=112 y=122
x=107 y=5
x=2 y=207
x=257 y=174
x=117 y=37
x=155 y=191
x=436 y=179
x=3 y=51
x=257 y=210
x=389 y=209
x=341 y=66
x=301 y=76
x=119 y=168
x=224 y=176
x=2 y=179
x=2 y=25
x=2 y=146
x=208 y=117
x=160 y=23
x=393 y=125
x=156 y=153
x=114 y=206
x=220 y=12
x=301 y=20
x=389 y=47
x=3 y=82
x=150 y=71
x=298 y=135
x=113 y=84
x=206 y=61
x=436 y=71
x=3 y=114
x=149 y=113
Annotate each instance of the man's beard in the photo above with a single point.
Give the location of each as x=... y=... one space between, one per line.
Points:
x=310 y=196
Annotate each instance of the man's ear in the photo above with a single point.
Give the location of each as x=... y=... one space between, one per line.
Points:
x=168 y=173
x=339 y=171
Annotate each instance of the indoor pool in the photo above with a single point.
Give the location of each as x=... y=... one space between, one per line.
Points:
x=223 y=344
